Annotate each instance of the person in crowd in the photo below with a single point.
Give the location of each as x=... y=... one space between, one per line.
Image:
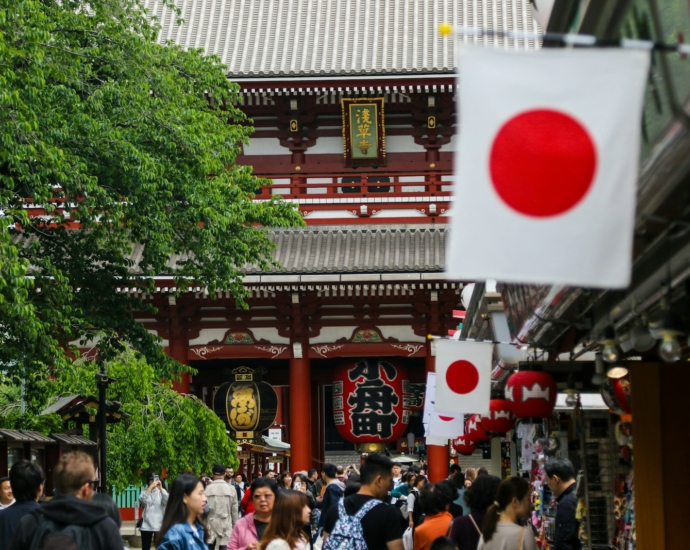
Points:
x=397 y=475
x=300 y=483
x=333 y=492
x=351 y=471
x=340 y=474
x=458 y=507
x=229 y=474
x=270 y=474
x=27 y=480
x=443 y=543
x=453 y=469
x=181 y=526
x=240 y=484
x=435 y=500
x=467 y=529
x=153 y=500
x=247 y=506
x=500 y=530
x=222 y=515
x=379 y=521
x=284 y=480
x=470 y=476
x=250 y=529
x=414 y=508
x=482 y=472
x=560 y=475
x=312 y=477
x=286 y=530
x=6 y=496
x=403 y=490
x=74 y=479
x=106 y=502
x=239 y=492
x=352 y=487
x=241 y=481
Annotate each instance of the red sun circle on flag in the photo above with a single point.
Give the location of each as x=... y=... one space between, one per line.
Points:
x=542 y=163
x=446 y=418
x=462 y=377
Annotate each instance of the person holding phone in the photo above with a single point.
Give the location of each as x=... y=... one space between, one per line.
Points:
x=153 y=500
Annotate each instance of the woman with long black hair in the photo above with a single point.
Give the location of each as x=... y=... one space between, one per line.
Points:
x=501 y=530
x=182 y=528
x=466 y=530
x=285 y=531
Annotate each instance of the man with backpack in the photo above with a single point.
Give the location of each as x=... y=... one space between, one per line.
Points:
x=363 y=521
x=69 y=521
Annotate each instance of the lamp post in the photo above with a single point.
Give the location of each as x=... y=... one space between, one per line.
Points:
x=102 y=381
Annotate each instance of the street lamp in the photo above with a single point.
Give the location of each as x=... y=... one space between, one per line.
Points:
x=103 y=381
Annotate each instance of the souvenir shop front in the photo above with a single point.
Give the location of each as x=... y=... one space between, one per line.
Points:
x=595 y=433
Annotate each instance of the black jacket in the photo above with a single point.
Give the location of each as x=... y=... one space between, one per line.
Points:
x=69 y=510
x=10 y=518
x=566 y=525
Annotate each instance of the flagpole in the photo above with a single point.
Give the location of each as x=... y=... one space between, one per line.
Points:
x=574 y=39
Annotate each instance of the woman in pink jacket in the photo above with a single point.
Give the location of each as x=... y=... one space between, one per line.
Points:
x=248 y=531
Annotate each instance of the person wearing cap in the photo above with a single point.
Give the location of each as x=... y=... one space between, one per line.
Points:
x=153 y=500
x=222 y=516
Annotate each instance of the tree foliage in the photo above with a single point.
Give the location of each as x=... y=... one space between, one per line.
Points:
x=132 y=142
x=165 y=430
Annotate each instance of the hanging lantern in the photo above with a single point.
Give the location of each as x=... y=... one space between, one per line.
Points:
x=248 y=406
x=617 y=395
x=371 y=400
x=463 y=445
x=500 y=418
x=531 y=394
x=474 y=430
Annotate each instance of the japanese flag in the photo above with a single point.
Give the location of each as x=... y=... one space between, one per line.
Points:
x=440 y=425
x=463 y=376
x=547 y=166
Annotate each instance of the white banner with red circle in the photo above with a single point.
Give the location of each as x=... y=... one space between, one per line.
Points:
x=547 y=166
x=439 y=426
x=463 y=376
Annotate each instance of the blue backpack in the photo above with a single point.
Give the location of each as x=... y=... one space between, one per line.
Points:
x=347 y=533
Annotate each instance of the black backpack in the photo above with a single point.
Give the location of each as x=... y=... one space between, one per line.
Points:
x=50 y=535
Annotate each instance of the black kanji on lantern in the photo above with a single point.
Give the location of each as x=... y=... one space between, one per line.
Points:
x=373 y=400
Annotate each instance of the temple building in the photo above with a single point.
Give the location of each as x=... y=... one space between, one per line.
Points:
x=354 y=109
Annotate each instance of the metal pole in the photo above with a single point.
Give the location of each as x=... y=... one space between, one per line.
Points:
x=583 y=452
x=102 y=381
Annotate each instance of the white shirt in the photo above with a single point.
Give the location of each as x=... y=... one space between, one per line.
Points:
x=3 y=506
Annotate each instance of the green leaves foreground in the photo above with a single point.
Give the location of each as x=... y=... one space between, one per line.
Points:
x=133 y=142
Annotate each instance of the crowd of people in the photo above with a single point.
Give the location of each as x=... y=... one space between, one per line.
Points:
x=376 y=507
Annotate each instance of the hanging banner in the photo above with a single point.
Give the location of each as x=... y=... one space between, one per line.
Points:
x=463 y=376
x=547 y=166
x=439 y=426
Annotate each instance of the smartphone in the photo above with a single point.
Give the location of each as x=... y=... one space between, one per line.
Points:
x=298 y=485
x=155 y=478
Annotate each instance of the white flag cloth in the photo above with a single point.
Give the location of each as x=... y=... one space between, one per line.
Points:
x=463 y=376
x=439 y=426
x=546 y=166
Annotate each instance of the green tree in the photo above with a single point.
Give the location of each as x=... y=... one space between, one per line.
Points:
x=134 y=144
x=165 y=429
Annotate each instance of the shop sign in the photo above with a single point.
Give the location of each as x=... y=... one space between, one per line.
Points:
x=364 y=134
x=275 y=459
x=243 y=455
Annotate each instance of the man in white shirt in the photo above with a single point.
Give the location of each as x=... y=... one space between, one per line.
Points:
x=6 y=496
x=397 y=475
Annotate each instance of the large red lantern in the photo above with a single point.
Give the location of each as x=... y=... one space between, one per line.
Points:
x=474 y=430
x=371 y=400
x=617 y=395
x=463 y=445
x=500 y=418
x=531 y=394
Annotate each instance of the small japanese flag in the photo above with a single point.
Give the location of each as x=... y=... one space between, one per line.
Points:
x=463 y=376
x=439 y=426
x=547 y=166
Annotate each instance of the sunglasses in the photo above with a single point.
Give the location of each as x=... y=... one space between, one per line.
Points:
x=94 y=483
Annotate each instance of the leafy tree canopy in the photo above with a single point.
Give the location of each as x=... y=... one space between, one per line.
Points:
x=131 y=142
x=165 y=429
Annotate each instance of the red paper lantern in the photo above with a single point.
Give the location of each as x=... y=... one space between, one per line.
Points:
x=500 y=418
x=617 y=395
x=463 y=445
x=474 y=430
x=531 y=394
x=371 y=400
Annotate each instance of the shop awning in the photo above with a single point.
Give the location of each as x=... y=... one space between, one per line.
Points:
x=73 y=440
x=588 y=401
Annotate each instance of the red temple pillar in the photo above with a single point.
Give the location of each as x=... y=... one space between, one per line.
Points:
x=300 y=412
x=178 y=349
x=437 y=455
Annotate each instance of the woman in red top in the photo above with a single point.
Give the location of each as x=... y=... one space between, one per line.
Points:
x=435 y=500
